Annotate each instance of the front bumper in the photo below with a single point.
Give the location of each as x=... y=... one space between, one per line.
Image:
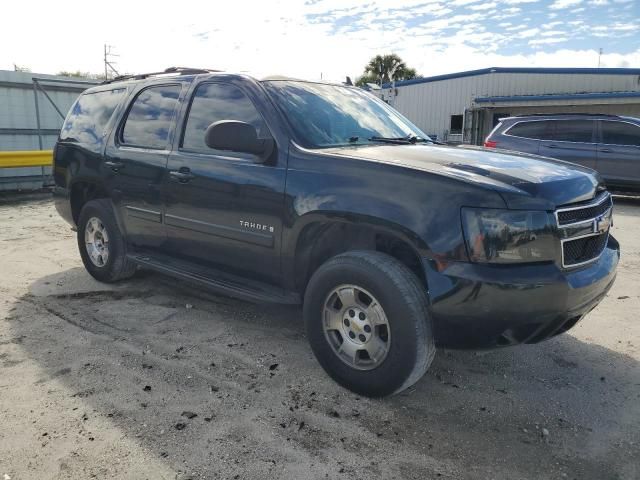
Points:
x=480 y=306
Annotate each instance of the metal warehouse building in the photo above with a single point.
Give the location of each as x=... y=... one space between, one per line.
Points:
x=464 y=107
x=32 y=109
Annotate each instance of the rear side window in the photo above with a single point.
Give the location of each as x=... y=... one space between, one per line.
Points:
x=537 y=130
x=580 y=131
x=89 y=117
x=620 y=133
x=150 y=117
x=213 y=102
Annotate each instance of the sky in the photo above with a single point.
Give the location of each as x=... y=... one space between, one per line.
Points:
x=315 y=39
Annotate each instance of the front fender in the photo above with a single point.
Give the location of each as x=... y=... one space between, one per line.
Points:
x=417 y=207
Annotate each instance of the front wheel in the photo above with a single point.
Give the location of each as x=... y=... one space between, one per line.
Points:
x=367 y=321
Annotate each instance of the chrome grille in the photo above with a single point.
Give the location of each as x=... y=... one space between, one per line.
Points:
x=577 y=213
x=581 y=250
x=584 y=230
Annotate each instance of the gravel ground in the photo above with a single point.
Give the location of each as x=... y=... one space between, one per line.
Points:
x=152 y=379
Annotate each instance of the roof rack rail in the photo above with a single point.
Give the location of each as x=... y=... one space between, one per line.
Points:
x=170 y=70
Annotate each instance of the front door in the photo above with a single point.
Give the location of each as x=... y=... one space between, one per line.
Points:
x=619 y=153
x=223 y=209
x=136 y=160
x=572 y=141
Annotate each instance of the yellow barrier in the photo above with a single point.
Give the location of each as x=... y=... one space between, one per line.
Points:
x=30 y=158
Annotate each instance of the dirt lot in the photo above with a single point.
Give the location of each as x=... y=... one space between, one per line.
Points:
x=150 y=379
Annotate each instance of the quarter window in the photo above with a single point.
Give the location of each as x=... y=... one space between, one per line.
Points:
x=538 y=130
x=150 y=117
x=580 y=131
x=213 y=102
x=620 y=133
x=89 y=116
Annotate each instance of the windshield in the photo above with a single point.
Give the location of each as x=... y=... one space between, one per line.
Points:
x=330 y=115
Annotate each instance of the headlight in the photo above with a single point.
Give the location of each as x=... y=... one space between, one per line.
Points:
x=508 y=236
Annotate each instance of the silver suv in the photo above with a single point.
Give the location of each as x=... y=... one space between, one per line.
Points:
x=606 y=143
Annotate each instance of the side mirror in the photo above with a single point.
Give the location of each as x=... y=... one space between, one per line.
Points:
x=236 y=136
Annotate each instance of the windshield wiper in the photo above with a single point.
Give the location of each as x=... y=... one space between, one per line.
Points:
x=409 y=139
x=396 y=140
x=415 y=139
x=431 y=140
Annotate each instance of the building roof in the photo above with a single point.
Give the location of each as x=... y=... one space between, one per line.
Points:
x=485 y=71
x=557 y=96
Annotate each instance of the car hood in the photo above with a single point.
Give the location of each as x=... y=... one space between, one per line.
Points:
x=524 y=181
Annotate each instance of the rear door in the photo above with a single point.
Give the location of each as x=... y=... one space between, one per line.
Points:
x=619 y=153
x=573 y=141
x=224 y=209
x=136 y=160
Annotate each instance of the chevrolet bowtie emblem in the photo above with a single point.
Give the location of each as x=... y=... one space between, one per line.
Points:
x=601 y=224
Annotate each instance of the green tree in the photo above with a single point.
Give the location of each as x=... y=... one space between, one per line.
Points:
x=382 y=66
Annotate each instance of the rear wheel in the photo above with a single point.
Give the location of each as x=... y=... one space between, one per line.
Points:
x=102 y=245
x=367 y=321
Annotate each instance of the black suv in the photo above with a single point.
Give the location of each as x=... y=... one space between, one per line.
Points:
x=606 y=143
x=289 y=191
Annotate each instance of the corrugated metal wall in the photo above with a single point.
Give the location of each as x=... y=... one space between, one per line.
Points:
x=430 y=105
x=18 y=121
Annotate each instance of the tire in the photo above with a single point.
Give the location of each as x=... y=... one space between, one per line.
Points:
x=114 y=265
x=400 y=360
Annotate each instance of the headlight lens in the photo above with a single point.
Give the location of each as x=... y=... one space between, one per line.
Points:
x=508 y=236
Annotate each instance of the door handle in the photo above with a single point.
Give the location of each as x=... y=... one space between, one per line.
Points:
x=552 y=146
x=606 y=150
x=183 y=175
x=115 y=166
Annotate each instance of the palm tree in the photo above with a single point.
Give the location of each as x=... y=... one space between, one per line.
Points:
x=380 y=69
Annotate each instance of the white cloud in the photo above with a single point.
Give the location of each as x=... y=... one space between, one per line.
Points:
x=547 y=41
x=626 y=27
x=280 y=37
x=549 y=25
x=484 y=6
x=464 y=2
x=531 y=32
x=460 y=58
x=559 y=4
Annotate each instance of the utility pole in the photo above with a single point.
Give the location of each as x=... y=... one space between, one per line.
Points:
x=108 y=64
x=599 y=55
x=392 y=74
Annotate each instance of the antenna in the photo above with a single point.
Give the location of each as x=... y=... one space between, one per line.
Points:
x=108 y=64
x=599 y=55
